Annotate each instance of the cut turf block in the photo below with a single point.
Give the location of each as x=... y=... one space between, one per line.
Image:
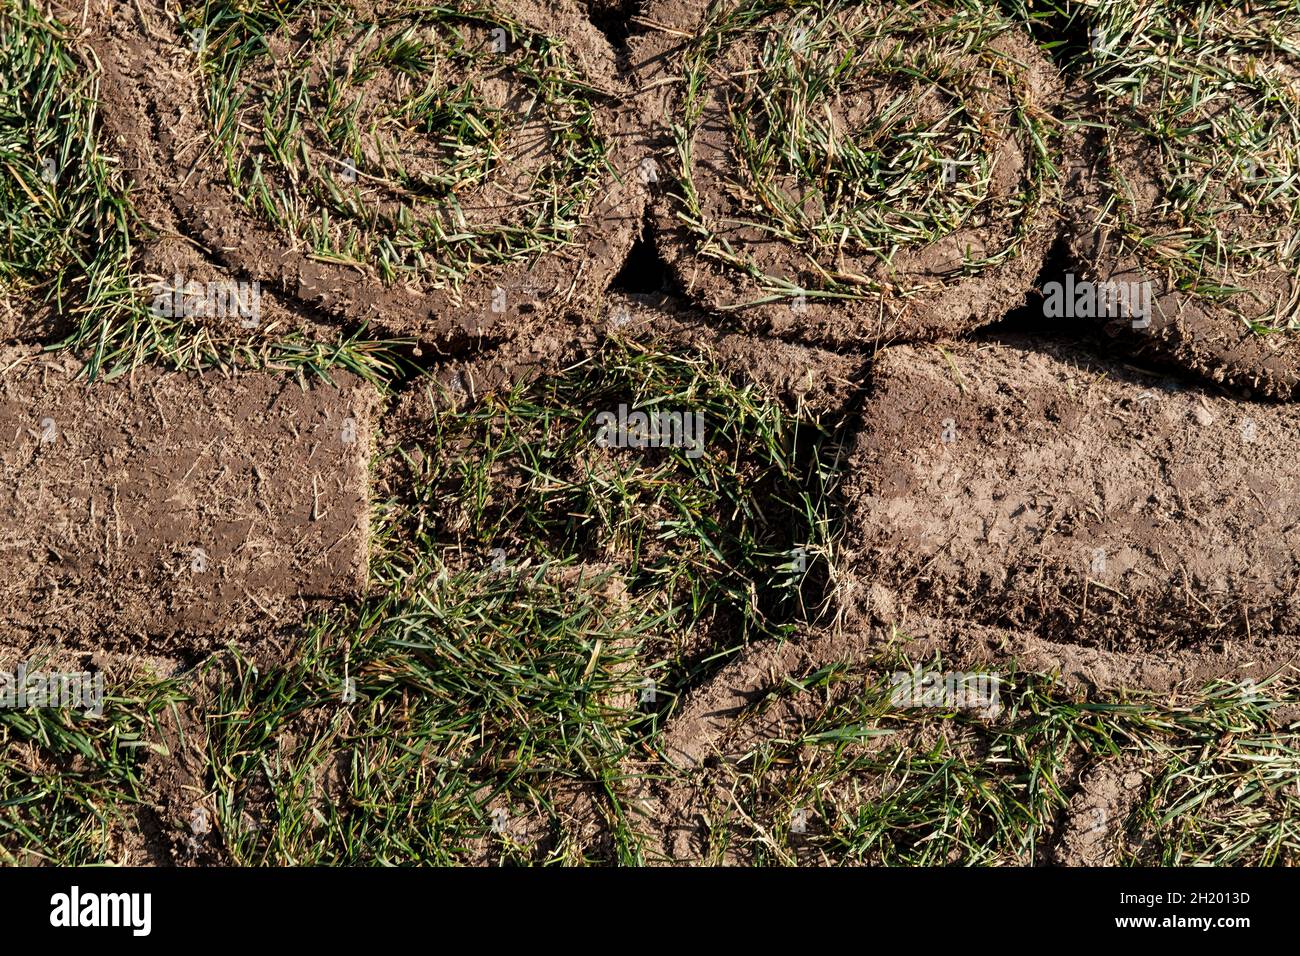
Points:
x=1039 y=488
x=821 y=381
x=718 y=717
x=167 y=503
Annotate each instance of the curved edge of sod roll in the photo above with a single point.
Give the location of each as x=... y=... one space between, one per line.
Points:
x=712 y=712
x=820 y=381
x=445 y=173
x=1184 y=188
x=1036 y=487
x=851 y=173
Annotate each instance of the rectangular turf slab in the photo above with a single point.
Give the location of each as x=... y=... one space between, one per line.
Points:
x=166 y=503
x=1035 y=486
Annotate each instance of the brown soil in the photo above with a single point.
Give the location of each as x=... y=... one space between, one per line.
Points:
x=180 y=824
x=25 y=322
x=1023 y=505
x=153 y=110
x=164 y=506
x=1040 y=488
x=1093 y=832
x=822 y=381
x=926 y=291
x=750 y=702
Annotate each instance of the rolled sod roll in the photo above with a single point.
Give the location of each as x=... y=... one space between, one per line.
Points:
x=849 y=173
x=1034 y=486
x=447 y=173
x=1184 y=182
x=175 y=504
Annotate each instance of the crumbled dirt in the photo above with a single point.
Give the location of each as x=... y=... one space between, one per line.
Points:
x=153 y=110
x=573 y=826
x=927 y=292
x=25 y=322
x=164 y=504
x=1093 y=831
x=1038 y=487
x=180 y=825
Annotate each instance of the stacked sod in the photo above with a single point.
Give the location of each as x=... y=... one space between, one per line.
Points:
x=436 y=172
x=847 y=172
x=1188 y=179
